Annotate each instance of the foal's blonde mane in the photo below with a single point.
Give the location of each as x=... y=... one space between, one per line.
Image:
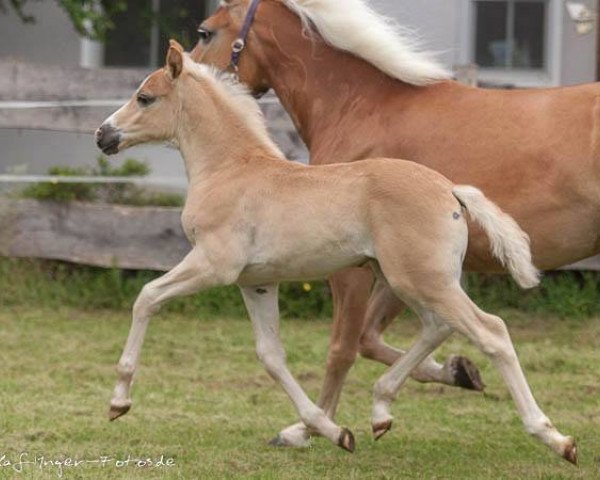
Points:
x=237 y=98
x=354 y=26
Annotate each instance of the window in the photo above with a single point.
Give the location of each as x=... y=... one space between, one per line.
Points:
x=511 y=34
x=137 y=42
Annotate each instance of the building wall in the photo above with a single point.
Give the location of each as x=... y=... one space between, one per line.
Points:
x=445 y=27
x=51 y=39
x=578 y=52
x=436 y=23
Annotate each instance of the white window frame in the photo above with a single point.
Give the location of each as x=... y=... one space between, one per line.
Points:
x=548 y=76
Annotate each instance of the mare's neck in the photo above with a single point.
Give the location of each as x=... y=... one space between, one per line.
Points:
x=317 y=84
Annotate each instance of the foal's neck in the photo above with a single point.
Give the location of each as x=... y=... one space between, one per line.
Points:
x=214 y=138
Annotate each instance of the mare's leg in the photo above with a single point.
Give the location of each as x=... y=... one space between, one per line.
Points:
x=350 y=291
x=264 y=312
x=192 y=274
x=383 y=307
x=490 y=335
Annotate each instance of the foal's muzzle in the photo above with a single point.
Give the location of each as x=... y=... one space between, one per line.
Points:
x=108 y=139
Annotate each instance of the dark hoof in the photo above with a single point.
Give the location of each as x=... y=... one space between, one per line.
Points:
x=346 y=440
x=570 y=453
x=466 y=374
x=116 y=412
x=277 y=442
x=380 y=429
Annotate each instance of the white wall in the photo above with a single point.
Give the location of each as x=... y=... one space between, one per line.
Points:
x=436 y=22
x=578 y=51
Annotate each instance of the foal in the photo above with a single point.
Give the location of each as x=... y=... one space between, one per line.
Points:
x=255 y=220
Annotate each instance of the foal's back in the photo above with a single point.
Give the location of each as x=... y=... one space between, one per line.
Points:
x=317 y=219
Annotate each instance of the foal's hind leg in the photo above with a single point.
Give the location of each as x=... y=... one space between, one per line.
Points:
x=490 y=334
x=383 y=307
x=433 y=334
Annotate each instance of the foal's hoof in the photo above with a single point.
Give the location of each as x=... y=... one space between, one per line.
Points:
x=465 y=373
x=277 y=442
x=380 y=429
x=117 y=411
x=570 y=453
x=346 y=440
x=294 y=436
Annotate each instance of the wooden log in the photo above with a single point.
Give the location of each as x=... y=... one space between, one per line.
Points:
x=93 y=234
x=146 y=238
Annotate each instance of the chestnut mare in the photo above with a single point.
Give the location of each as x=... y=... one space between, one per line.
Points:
x=254 y=219
x=533 y=152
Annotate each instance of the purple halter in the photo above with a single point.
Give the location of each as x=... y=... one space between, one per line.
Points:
x=239 y=43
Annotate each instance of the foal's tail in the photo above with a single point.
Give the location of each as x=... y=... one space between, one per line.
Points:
x=510 y=244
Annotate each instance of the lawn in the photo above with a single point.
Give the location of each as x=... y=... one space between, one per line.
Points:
x=202 y=399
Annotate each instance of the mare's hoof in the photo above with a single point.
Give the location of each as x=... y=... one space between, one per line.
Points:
x=466 y=375
x=117 y=411
x=380 y=429
x=346 y=440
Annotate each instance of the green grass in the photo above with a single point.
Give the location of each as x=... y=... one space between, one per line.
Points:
x=202 y=398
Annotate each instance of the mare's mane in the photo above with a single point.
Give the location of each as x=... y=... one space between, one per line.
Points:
x=355 y=27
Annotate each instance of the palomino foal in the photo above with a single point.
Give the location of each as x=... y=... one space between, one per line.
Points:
x=255 y=220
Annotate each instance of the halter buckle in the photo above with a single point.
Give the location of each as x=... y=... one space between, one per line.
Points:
x=238 y=45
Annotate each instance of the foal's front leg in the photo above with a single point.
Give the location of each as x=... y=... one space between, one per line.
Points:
x=263 y=309
x=191 y=275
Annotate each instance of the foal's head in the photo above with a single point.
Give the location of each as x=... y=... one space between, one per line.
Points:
x=191 y=103
x=151 y=115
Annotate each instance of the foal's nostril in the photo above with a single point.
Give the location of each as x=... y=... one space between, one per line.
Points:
x=108 y=139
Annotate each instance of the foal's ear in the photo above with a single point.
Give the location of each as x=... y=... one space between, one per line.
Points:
x=176 y=44
x=174 y=59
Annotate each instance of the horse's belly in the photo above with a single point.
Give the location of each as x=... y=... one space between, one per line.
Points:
x=301 y=265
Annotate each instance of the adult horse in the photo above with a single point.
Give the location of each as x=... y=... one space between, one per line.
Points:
x=355 y=88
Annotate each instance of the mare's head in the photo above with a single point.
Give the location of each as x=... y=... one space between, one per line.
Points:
x=216 y=37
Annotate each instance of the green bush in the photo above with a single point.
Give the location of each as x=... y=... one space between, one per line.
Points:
x=118 y=193
x=54 y=284
x=567 y=294
x=61 y=192
x=50 y=283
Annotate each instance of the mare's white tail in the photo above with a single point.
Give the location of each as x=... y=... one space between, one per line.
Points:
x=510 y=244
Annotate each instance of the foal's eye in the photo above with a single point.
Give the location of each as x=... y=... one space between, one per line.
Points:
x=145 y=100
x=205 y=34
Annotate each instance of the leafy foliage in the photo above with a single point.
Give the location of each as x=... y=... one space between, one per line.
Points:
x=94 y=18
x=123 y=194
x=87 y=18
